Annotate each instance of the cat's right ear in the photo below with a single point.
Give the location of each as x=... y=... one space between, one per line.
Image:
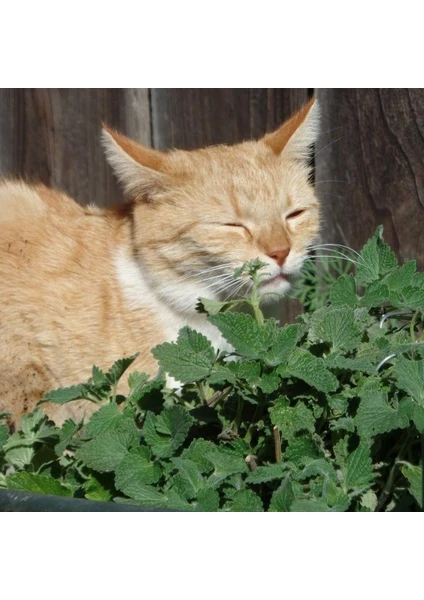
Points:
x=138 y=169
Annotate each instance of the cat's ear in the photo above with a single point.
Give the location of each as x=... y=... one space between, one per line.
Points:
x=295 y=137
x=138 y=168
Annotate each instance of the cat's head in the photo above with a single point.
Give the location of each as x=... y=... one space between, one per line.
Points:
x=198 y=215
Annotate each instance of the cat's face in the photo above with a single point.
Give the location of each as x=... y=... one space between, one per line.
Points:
x=204 y=213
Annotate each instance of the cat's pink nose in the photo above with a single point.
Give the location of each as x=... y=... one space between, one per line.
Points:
x=279 y=255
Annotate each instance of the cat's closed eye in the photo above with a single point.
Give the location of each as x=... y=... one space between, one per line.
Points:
x=296 y=213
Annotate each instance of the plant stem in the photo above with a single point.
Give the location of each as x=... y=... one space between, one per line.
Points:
x=277 y=443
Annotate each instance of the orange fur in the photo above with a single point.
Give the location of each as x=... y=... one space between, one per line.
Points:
x=83 y=286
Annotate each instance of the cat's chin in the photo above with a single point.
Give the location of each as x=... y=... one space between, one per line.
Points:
x=273 y=289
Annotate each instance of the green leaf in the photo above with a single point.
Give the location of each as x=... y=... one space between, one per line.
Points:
x=301 y=449
x=410 y=377
x=118 y=368
x=309 y=505
x=191 y=358
x=358 y=473
x=336 y=326
x=207 y=501
x=375 y=415
x=98 y=377
x=166 y=432
x=135 y=469
x=224 y=465
x=197 y=452
x=248 y=337
x=369 y=500
x=270 y=382
x=402 y=277
x=66 y=435
x=4 y=435
x=291 y=419
x=68 y=394
x=146 y=495
x=282 y=346
x=38 y=484
x=282 y=498
x=245 y=501
x=376 y=259
x=189 y=480
x=343 y=291
x=107 y=418
x=375 y=294
x=303 y=365
x=266 y=473
x=106 y=452
x=95 y=490
x=414 y=475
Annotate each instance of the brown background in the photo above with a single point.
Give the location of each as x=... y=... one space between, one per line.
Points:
x=369 y=160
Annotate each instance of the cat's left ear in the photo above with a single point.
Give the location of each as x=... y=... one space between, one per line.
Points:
x=139 y=169
x=295 y=137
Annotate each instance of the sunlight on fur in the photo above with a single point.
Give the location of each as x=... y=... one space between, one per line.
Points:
x=82 y=286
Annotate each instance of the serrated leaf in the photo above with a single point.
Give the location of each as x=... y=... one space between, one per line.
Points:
x=135 y=469
x=245 y=501
x=375 y=415
x=146 y=495
x=414 y=475
x=197 y=452
x=376 y=294
x=282 y=498
x=402 y=277
x=291 y=419
x=410 y=377
x=38 y=484
x=376 y=259
x=119 y=367
x=107 y=418
x=191 y=358
x=283 y=344
x=189 y=480
x=267 y=473
x=358 y=472
x=335 y=326
x=68 y=394
x=106 y=452
x=248 y=337
x=269 y=382
x=224 y=465
x=303 y=365
x=312 y=505
x=343 y=291
x=167 y=431
x=207 y=500
x=66 y=434
x=301 y=449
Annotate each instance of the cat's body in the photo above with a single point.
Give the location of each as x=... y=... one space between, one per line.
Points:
x=82 y=286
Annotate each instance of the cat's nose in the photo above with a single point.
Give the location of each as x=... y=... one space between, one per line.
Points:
x=279 y=255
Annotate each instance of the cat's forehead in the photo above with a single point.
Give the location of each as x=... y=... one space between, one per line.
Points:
x=249 y=170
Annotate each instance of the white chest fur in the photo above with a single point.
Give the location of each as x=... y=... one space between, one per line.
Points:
x=138 y=294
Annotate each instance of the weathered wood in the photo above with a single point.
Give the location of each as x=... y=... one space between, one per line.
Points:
x=370 y=167
x=53 y=136
x=191 y=118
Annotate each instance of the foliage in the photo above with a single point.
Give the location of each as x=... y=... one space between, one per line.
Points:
x=311 y=416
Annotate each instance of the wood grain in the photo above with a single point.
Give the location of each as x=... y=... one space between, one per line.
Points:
x=53 y=136
x=370 y=167
x=192 y=118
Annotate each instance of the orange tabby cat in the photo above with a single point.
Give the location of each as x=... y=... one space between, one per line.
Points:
x=82 y=286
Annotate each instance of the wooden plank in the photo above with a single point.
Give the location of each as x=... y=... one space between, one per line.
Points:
x=370 y=167
x=191 y=118
x=53 y=136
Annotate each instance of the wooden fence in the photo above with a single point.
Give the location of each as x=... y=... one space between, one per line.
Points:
x=369 y=160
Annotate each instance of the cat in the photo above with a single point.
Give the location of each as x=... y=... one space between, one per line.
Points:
x=84 y=285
